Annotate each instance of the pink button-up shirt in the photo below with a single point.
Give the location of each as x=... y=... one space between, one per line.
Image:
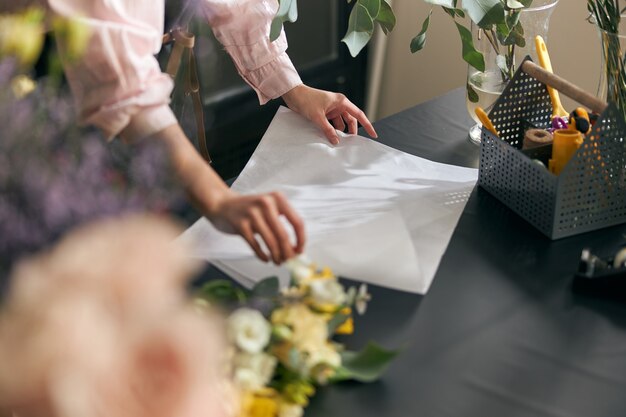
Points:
x=118 y=84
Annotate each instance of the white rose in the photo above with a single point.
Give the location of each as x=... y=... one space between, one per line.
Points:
x=327 y=291
x=323 y=355
x=249 y=330
x=290 y=410
x=300 y=268
x=254 y=370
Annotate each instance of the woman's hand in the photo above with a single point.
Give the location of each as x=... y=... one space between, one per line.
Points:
x=252 y=216
x=260 y=215
x=320 y=106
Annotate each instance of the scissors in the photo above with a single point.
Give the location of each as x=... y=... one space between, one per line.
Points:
x=546 y=64
x=484 y=119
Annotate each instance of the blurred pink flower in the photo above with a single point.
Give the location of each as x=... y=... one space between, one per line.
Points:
x=100 y=326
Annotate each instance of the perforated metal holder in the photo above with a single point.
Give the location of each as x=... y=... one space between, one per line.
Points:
x=590 y=192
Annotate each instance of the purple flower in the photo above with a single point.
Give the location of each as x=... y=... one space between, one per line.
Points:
x=55 y=176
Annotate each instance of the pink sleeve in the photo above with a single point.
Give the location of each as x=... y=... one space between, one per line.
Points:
x=117 y=83
x=243 y=27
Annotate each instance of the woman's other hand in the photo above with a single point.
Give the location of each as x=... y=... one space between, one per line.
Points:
x=325 y=107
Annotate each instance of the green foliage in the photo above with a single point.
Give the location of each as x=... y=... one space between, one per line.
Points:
x=417 y=43
x=267 y=288
x=337 y=320
x=364 y=366
x=364 y=16
x=287 y=12
x=221 y=291
x=470 y=54
x=606 y=14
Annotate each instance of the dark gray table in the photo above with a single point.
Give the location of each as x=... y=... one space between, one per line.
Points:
x=500 y=333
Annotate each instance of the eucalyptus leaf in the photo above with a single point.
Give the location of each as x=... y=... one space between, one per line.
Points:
x=417 y=43
x=287 y=12
x=267 y=288
x=469 y=52
x=360 y=29
x=336 y=320
x=472 y=95
x=372 y=6
x=386 y=18
x=512 y=19
x=494 y=16
x=478 y=9
x=451 y=4
x=365 y=366
x=221 y=291
x=514 y=4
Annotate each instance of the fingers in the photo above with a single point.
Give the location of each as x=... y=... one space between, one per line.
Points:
x=328 y=129
x=352 y=123
x=262 y=219
x=338 y=123
x=294 y=219
x=357 y=113
x=247 y=233
x=281 y=248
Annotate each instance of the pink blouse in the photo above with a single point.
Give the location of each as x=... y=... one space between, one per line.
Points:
x=118 y=84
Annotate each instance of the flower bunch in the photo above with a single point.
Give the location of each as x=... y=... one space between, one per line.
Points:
x=101 y=325
x=282 y=339
x=55 y=175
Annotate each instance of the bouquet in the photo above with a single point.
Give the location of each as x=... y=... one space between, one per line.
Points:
x=282 y=346
x=55 y=175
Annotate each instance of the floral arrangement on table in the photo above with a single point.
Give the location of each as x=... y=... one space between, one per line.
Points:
x=97 y=319
x=606 y=14
x=282 y=346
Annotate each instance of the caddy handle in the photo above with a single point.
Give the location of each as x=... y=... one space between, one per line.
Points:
x=563 y=86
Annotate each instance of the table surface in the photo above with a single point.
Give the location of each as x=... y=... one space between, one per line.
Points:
x=500 y=333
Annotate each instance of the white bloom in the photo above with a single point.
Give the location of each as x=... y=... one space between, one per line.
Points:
x=323 y=355
x=301 y=268
x=327 y=291
x=290 y=410
x=362 y=299
x=249 y=330
x=254 y=370
x=321 y=363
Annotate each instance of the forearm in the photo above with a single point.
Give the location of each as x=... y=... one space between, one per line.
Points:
x=205 y=189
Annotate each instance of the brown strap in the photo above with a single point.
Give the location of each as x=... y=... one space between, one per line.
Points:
x=183 y=45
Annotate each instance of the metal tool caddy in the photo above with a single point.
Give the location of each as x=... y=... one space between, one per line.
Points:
x=590 y=192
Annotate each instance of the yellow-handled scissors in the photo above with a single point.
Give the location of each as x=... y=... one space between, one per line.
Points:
x=546 y=64
x=484 y=119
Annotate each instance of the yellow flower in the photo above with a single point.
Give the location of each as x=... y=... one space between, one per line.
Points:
x=347 y=327
x=72 y=36
x=287 y=409
x=22 y=86
x=298 y=392
x=260 y=403
x=22 y=36
x=309 y=329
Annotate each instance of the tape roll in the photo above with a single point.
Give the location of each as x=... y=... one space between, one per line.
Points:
x=534 y=138
x=620 y=259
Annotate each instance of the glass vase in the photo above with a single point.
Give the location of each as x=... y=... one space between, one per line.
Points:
x=501 y=61
x=612 y=85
